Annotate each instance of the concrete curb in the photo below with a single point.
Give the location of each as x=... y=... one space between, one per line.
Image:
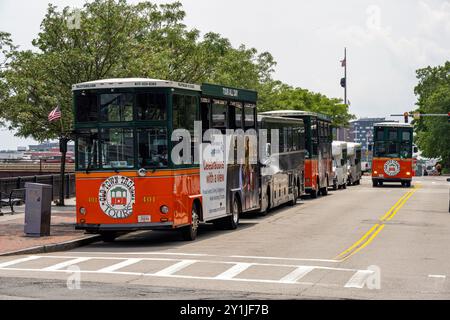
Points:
x=54 y=247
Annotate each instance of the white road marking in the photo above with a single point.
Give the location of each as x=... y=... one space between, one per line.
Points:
x=204 y=255
x=296 y=275
x=281 y=258
x=233 y=271
x=120 y=265
x=174 y=268
x=66 y=264
x=440 y=276
x=17 y=261
x=358 y=279
x=147 y=253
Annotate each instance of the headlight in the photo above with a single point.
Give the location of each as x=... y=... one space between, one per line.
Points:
x=164 y=209
x=83 y=211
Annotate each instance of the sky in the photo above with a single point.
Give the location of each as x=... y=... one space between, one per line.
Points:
x=386 y=41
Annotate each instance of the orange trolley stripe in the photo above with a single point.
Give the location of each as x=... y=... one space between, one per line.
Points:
x=131 y=174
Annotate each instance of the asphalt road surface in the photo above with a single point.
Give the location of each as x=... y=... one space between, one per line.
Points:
x=360 y=243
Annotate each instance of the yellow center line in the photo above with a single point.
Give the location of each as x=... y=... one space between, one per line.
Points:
x=367 y=238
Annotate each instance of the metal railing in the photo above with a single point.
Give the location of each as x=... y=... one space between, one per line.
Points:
x=8 y=184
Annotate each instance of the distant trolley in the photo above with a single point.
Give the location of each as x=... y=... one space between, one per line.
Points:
x=318 y=159
x=393 y=154
x=354 y=163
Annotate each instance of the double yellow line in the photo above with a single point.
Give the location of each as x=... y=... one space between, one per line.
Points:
x=367 y=238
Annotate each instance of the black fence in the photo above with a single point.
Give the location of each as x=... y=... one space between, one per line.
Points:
x=7 y=184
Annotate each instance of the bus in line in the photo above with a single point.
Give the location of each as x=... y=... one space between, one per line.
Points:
x=318 y=157
x=282 y=178
x=127 y=177
x=354 y=163
x=340 y=171
x=392 y=154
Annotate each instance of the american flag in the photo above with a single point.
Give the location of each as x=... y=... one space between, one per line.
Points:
x=55 y=114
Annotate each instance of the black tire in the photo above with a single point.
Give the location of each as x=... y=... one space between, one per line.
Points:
x=408 y=184
x=335 y=186
x=108 y=236
x=232 y=221
x=344 y=186
x=324 y=191
x=314 y=193
x=293 y=202
x=190 y=233
x=265 y=212
x=374 y=183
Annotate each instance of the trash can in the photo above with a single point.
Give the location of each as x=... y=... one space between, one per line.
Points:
x=38 y=205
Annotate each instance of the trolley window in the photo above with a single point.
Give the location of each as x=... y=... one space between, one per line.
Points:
x=151 y=106
x=152 y=148
x=116 y=107
x=117 y=148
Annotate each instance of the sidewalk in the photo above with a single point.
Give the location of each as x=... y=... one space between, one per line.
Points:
x=63 y=235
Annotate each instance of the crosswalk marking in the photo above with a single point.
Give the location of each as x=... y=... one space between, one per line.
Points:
x=297 y=274
x=120 y=265
x=17 y=261
x=233 y=271
x=174 y=268
x=358 y=279
x=66 y=264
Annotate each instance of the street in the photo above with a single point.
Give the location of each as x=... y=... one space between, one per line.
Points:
x=360 y=243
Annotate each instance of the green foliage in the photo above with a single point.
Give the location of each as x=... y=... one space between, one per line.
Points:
x=433 y=91
x=277 y=96
x=117 y=39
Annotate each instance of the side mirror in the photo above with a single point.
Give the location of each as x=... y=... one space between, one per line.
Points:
x=415 y=150
x=448 y=179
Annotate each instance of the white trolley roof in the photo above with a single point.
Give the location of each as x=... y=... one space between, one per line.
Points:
x=134 y=83
x=352 y=147
x=337 y=147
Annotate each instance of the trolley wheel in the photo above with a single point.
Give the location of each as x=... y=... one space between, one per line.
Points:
x=314 y=194
x=231 y=222
x=293 y=202
x=374 y=183
x=109 y=236
x=408 y=184
x=266 y=211
x=190 y=233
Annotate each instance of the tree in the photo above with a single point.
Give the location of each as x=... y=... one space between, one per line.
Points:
x=433 y=92
x=117 y=39
x=276 y=95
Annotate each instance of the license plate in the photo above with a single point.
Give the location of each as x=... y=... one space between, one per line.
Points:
x=381 y=175
x=144 y=219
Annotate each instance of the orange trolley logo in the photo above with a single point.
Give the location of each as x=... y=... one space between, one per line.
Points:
x=117 y=197
x=392 y=168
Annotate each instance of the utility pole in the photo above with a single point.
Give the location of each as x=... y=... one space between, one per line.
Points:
x=345 y=75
